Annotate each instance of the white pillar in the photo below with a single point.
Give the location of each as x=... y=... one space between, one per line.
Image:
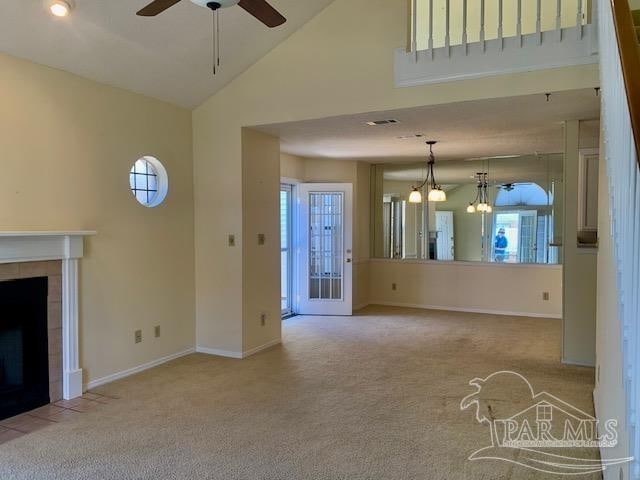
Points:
x=72 y=373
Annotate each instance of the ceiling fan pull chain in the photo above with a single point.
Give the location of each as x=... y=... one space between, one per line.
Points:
x=218 y=36
x=214 y=43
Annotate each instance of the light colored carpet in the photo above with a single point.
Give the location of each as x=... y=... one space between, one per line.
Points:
x=375 y=396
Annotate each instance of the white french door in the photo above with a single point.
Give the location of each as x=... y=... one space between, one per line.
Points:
x=325 y=236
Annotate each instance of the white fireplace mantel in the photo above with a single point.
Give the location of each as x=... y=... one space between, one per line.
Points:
x=33 y=246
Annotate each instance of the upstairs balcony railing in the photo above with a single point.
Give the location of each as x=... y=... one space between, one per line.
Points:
x=620 y=84
x=457 y=39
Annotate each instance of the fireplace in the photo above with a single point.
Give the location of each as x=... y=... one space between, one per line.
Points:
x=24 y=351
x=55 y=255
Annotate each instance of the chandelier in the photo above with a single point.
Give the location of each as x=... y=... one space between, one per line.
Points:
x=481 y=203
x=436 y=194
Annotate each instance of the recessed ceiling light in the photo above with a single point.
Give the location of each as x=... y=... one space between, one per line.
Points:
x=60 y=8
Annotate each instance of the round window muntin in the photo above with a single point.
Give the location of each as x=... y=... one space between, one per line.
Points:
x=148 y=181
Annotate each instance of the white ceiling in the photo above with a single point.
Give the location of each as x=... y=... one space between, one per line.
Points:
x=167 y=57
x=522 y=125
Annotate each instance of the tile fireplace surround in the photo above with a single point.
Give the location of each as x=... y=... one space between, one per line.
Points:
x=54 y=255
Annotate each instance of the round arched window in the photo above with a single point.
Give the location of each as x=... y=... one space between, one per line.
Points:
x=149 y=182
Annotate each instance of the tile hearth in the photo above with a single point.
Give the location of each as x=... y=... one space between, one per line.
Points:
x=43 y=417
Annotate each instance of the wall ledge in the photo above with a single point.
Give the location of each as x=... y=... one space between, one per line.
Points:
x=465 y=264
x=469 y=310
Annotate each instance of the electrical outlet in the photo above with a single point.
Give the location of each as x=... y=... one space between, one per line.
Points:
x=156 y=331
x=232 y=240
x=263 y=319
x=138 y=336
x=545 y=296
x=261 y=239
x=394 y=287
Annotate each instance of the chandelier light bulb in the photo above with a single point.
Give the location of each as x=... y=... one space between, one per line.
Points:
x=415 y=196
x=437 y=195
x=471 y=208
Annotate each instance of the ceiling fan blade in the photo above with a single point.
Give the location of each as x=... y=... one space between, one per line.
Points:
x=156 y=7
x=263 y=12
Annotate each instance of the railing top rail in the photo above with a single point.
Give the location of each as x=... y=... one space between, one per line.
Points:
x=630 y=59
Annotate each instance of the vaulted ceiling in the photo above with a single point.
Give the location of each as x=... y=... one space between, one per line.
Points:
x=168 y=57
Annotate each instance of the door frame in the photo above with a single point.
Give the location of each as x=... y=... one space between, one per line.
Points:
x=290 y=188
x=345 y=307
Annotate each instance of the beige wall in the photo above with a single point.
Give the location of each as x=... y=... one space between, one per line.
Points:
x=350 y=70
x=505 y=289
x=67 y=145
x=342 y=171
x=291 y=167
x=580 y=267
x=260 y=263
x=467 y=227
x=496 y=288
x=609 y=396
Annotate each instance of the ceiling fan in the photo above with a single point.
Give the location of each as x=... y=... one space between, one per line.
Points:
x=509 y=187
x=260 y=9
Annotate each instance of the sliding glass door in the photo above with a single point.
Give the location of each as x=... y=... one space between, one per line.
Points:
x=286 y=256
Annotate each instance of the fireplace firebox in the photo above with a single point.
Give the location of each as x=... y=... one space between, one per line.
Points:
x=24 y=356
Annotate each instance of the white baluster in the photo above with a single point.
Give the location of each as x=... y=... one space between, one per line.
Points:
x=414 y=33
x=539 y=21
x=559 y=19
x=500 y=21
x=579 y=19
x=431 y=28
x=482 y=34
x=465 y=39
x=519 y=25
x=447 y=37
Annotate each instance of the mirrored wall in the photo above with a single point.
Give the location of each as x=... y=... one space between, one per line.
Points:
x=506 y=210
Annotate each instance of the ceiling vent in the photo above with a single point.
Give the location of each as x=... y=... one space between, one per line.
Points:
x=378 y=123
x=410 y=137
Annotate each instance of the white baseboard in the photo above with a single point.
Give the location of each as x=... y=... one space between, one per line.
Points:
x=469 y=310
x=218 y=352
x=259 y=349
x=140 y=368
x=361 y=306
x=237 y=355
x=564 y=361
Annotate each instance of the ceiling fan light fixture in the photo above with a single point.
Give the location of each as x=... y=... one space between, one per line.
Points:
x=60 y=8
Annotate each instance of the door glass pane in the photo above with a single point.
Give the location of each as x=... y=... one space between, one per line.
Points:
x=326 y=245
x=285 y=249
x=527 y=238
